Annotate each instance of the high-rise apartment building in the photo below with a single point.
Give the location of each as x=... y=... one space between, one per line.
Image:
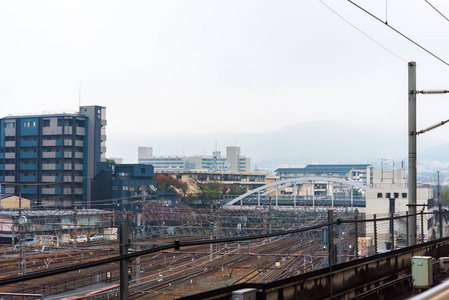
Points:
x=52 y=158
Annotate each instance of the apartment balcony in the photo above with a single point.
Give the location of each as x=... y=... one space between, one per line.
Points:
x=28 y=154
x=103 y=149
x=78 y=178
x=68 y=167
x=78 y=167
x=79 y=143
x=79 y=155
x=51 y=143
x=28 y=167
x=28 y=179
x=9 y=190
x=67 y=142
x=10 y=178
x=2 y=155
x=10 y=143
x=67 y=191
x=104 y=122
x=51 y=191
x=28 y=143
x=78 y=191
x=51 y=167
x=51 y=130
x=67 y=154
x=80 y=131
x=51 y=178
x=67 y=179
x=10 y=167
x=51 y=154
x=68 y=130
x=103 y=137
x=10 y=155
x=10 y=132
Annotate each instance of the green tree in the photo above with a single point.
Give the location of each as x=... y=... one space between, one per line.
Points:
x=210 y=191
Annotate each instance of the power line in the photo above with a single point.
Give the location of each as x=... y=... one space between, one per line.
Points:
x=398 y=32
x=436 y=10
x=362 y=31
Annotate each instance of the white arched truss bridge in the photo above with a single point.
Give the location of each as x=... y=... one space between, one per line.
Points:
x=269 y=194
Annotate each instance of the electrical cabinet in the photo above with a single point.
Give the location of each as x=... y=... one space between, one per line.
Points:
x=444 y=262
x=422 y=271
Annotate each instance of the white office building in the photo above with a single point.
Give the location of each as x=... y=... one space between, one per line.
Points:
x=233 y=162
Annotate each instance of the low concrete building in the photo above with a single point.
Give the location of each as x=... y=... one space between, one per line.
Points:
x=13 y=202
x=389 y=194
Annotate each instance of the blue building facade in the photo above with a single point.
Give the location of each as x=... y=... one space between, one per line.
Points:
x=123 y=187
x=50 y=158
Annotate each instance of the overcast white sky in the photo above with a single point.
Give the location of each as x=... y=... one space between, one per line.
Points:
x=177 y=67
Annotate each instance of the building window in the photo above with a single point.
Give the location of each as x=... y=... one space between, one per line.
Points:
x=59 y=122
x=29 y=124
x=46 y=123
x=115 y=188
x=10 y=125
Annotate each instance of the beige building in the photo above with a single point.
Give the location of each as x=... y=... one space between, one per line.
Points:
x=237 y=162
x=13 y=203
x=392 y=184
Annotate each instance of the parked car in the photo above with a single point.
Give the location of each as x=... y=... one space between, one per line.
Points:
x=79 y=239
x=96 y=238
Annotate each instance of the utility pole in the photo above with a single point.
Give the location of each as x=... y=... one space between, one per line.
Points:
x=412 y=151
x=438 y=194
x=75 y=230
x=22 y=221
x=412 y=133
x=123 y=238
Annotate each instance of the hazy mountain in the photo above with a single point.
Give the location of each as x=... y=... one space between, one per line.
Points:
x=435 y=153
x=318 y=142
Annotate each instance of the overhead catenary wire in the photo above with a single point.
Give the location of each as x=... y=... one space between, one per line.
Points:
x=362 y=31
x=398 y=32
x=437 y=10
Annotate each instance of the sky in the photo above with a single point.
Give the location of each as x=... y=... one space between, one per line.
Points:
x=171 y=69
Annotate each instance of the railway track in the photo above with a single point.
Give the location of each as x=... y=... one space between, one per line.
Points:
x=169 y=274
